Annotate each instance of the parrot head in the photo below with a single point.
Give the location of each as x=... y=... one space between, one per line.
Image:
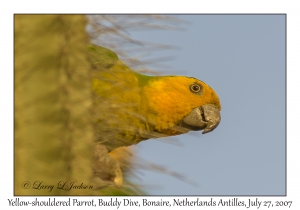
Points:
x=178 y=101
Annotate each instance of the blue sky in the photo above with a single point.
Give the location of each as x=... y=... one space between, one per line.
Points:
x=243 y=58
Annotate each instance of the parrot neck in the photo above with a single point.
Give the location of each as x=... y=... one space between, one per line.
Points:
x=159 y=107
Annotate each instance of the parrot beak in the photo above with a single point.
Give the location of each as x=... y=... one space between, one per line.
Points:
x=205 y=117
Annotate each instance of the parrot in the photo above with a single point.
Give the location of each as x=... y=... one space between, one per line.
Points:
x=131 y=107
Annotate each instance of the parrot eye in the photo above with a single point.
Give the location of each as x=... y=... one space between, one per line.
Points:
x=195 y=88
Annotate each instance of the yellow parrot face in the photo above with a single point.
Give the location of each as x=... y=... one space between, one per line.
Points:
x=184 y=100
